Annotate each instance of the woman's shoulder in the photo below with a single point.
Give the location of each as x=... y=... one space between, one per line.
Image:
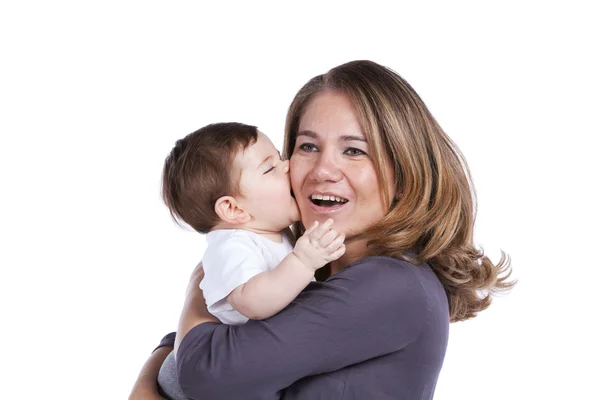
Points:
x=383 y=261
x=391 y=277
x=384 y=268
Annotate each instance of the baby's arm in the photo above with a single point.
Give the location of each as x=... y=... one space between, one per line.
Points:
x=267 y=293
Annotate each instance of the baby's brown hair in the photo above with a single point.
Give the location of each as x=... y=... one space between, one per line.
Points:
x=198 y=171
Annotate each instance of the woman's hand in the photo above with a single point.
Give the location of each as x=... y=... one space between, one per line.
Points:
x=145 y=387
x=195 y=279
x=144 y=395
x=194 y=310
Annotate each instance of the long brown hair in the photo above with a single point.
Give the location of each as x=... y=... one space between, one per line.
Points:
x=432 y=215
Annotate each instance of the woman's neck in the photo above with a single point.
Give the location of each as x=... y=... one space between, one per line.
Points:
x=355 y=250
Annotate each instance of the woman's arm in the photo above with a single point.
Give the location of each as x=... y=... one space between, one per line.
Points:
x=372 y=308
x=194 y=310
x=145 y=387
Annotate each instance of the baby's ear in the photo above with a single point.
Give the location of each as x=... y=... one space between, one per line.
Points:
x=231 y=211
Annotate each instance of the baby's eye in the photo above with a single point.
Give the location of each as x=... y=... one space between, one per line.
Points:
x=269 y=170
x=354 y=152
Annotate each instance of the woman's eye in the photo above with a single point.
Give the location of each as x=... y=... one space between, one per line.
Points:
x=307 y=147
x=269 y=170
x=354 y=152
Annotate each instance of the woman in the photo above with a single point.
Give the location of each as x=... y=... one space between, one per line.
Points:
x=377 y=327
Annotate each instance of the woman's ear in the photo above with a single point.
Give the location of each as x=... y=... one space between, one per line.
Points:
x=231 y=211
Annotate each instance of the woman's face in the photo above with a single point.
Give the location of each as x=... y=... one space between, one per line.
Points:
x=331 y=169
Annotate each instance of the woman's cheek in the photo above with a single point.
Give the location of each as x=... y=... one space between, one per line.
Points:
x=295 y=180
x=301 y=202
x=300 y=168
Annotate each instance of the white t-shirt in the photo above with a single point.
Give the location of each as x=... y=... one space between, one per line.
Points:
x=232 y=257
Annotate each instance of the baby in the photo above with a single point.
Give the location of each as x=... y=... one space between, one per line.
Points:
x=227 y=180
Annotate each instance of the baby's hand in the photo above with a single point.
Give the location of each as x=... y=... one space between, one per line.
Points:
x=319 y=245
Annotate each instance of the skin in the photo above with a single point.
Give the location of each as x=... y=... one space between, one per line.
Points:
x=331 y=156
x=145 y=387
x=265 y=206
x=264 y=180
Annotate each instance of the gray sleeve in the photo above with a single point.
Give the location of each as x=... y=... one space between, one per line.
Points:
x=168 y=385
x=374 y=307
x=168 y=340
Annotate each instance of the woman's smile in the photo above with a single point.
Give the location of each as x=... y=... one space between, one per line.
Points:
x=327 y=202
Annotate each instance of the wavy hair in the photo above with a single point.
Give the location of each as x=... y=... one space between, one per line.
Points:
x=432 y=215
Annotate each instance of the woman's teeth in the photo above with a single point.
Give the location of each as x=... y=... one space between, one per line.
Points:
x=320 y=199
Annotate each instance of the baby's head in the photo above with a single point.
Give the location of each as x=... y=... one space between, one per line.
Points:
x=228 y=175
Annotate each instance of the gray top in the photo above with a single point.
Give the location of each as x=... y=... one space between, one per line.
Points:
x=377 y=329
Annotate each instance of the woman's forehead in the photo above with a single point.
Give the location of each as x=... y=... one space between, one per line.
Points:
x=337 y=136
x=329 y=114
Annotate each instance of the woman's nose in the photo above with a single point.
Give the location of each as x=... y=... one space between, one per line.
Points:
x=326 y=169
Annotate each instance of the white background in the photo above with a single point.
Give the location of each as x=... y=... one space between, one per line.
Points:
x=92 y=98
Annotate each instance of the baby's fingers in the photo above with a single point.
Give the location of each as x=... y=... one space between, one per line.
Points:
x=338 y=253
x=321 y=229
x=311 y=228
x=336 y=243
x=327 y=238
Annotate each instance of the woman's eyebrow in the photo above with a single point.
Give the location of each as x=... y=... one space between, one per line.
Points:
x=343 y=138
x=310 y=134
x=348 y=138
